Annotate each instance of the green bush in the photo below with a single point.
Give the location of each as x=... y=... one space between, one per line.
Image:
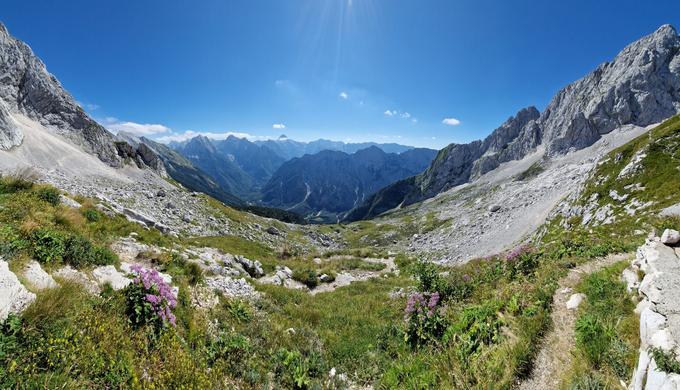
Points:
x=49 y=195
x=477 y=326
x=297 y=371
x=80 y=252
x=48 y=246
x=428 y=277
x=230 y=349
x=51 y=246
x=306 y=276
x=91 y=215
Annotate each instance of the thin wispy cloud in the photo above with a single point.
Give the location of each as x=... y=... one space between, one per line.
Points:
x=343 y=95
x=142 y=129
x=278 y=126
x=401 y=114
x=451 y=121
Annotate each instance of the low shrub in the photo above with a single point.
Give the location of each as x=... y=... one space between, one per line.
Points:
x=306 y=276
x=48 y=246
x=91 y=215
x=150 y=300
x=49 y=195
x=476 y=326
x=80 y=252
x=296 y=370
x=587 y=381
x=522 y=260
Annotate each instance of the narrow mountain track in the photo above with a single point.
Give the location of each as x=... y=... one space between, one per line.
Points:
x=555 y=355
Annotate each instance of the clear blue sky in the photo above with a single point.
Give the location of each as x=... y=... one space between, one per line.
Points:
x=325 y=68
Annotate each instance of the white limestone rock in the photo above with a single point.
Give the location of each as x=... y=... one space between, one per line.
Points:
x=70 y=274
x=14 y=297
x=37 y=277
x=575 y=301
x=109 y=274
x=670 y=237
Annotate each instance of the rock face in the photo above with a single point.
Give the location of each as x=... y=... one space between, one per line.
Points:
x=641 y=86
x=659 y=312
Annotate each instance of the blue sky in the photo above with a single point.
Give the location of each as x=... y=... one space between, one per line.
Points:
x=359 y=70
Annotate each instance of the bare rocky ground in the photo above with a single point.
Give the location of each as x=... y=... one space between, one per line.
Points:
x=555 y=353
x=498 y=211
x=346 y=278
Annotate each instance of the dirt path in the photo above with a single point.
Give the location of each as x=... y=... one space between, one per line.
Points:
x=555 y=354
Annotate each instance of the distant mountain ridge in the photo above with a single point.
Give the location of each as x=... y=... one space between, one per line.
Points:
x=641 y=86
x=288 y=148
x=243 y=167
x=325 y=185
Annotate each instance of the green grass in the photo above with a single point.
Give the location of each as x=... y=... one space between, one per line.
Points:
x=606 y=330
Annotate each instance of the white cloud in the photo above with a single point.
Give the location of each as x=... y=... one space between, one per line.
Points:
x=142 y=129
x=278 y=126
x=414 y=120
x=390 y=113
x=405 y=115
x=451 y=121
x=344 y=95
x=179 y=137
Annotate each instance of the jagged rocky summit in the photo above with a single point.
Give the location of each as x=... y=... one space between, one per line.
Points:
x=641 y=86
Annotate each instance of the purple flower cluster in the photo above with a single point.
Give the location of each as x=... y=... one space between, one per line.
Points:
x=517 y=252
x=158 y=293
x=421 y=304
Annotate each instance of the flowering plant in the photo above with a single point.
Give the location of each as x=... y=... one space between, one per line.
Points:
x=521 y=260
x=150 y=299
x=424 y=320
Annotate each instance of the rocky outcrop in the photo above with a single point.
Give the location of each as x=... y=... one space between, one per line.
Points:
x=28 y=88
x=14 y=297
x=641 y=86
x=659 y=311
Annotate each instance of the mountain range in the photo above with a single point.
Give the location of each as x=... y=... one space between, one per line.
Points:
x=264 y=173
x=327 y=184
x=641 y=86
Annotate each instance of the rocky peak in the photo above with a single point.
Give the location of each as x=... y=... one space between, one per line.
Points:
x=26 y=87
x=640 y=86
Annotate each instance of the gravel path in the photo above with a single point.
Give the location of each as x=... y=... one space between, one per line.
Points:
x=555 y=354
